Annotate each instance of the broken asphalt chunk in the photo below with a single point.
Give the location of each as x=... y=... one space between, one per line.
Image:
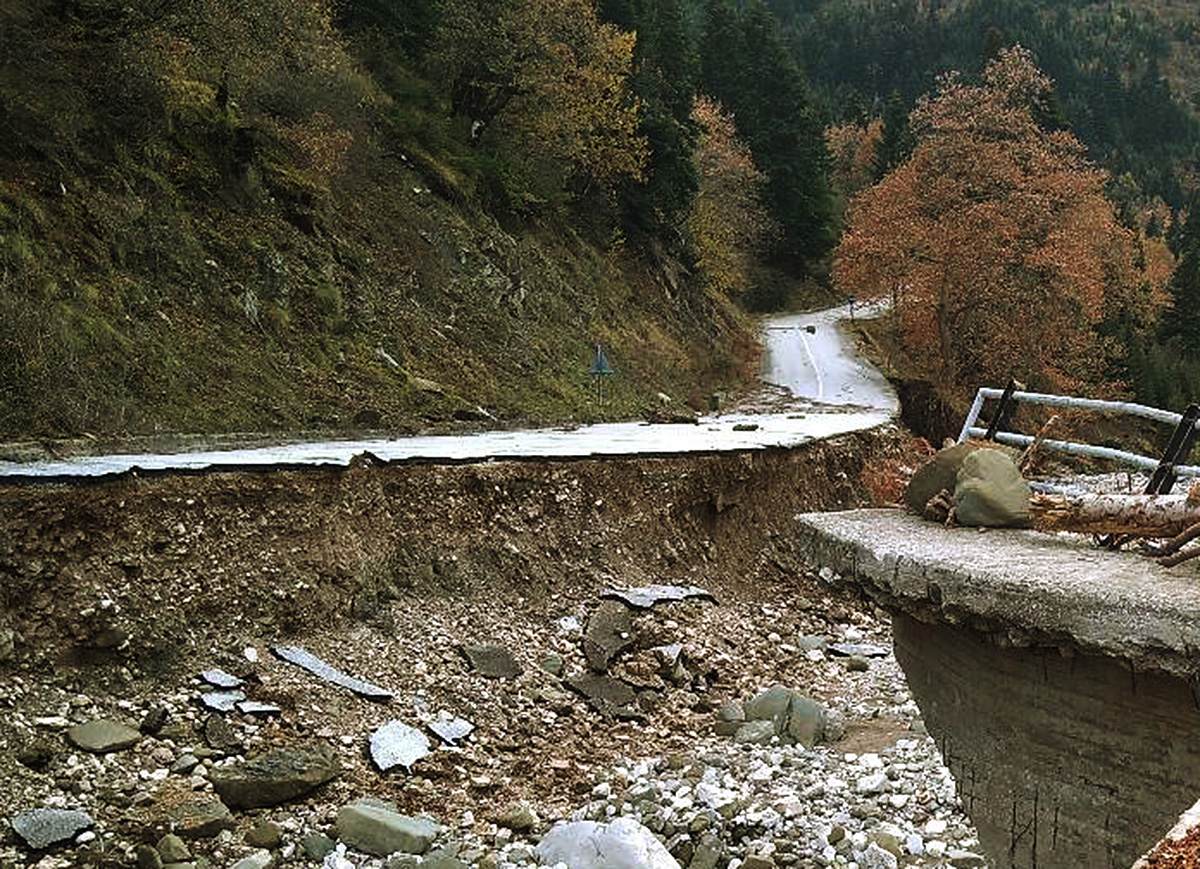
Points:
x=41 y=828
x=647 y=596
x=492 y=659
x=220 y=679
x=396 y=744
x=314 y=665
x=450 y=730
x=865 y=650
x=608 y=696
x=609 y=632
x=222 y=701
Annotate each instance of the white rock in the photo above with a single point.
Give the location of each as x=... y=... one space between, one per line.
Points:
x=872 y=784
x=622 y=844
x=875 y=857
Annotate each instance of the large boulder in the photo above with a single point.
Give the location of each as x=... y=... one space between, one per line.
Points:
x=989 y=491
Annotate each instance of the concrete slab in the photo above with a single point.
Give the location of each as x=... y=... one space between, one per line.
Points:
x=1022 y=588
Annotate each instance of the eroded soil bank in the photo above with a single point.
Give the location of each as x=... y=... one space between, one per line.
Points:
x=142 y=570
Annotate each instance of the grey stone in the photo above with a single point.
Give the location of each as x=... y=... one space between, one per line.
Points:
x=609 y=696
x=277 y=776
x=264 y=834
x=730 y=717
x=990 y=492
x=219 y=735
x=758 y=861
x=378 y=829
x=492 y=659
x=875 y=857
x=258 y=860
x=154 y=721
x=319 y=668
x=443 y=858
x=173 y=849
x=201 y=818
x=769 y=704
x=397 y=744
x=621 y=844
x=803 y=721
x=755 y=733
x=103 y=735
x=609 y=632
x=148 y=858
x=551 y=662
x=316 y=846
x=185 y=764
x=41 y=828
x=875 y=783
x=519 y=817
x=966 y=859
x=708 y=853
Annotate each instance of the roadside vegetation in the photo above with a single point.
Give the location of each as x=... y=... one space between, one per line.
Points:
x=405 y=214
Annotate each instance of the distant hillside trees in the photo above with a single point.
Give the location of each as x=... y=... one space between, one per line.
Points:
x=1112 y=63
x=748 y=68
x=995 y=243
x=729 y=222
x=664 y=77
x=545 y=85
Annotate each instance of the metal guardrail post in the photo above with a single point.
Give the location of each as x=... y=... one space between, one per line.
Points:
x=1164 y=471
x=1178 y=448
x=998 y=418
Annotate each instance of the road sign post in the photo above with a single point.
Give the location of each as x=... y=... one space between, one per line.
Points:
x=600 y=369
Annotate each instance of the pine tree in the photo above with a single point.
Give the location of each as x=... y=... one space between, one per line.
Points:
x=664 y=78
x=750 y=70
x=1184 y=317
x=897 y=142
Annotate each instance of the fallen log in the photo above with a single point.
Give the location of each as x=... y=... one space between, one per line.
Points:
x=1155 y=516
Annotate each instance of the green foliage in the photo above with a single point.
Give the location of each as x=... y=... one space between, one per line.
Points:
x=1183 y=319
x=665 y=71
x=897 y=141
x=1107 y=61
x=749 y=69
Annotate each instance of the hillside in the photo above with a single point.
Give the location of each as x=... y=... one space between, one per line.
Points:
x=1127 y=74
x=224 y=217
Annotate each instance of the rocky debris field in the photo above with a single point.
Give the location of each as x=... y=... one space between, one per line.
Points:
x=736 y=724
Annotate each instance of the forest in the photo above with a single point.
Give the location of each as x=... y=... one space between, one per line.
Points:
x=403 y=213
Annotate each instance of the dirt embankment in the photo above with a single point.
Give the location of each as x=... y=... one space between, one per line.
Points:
x=150 y=573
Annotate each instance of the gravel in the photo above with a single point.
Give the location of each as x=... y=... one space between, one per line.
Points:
x=874 y=793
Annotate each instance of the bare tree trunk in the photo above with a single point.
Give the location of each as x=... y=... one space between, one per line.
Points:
x=1137 y=515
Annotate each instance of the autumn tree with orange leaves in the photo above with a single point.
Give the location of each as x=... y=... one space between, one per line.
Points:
x=729 y=222
x=994 y=242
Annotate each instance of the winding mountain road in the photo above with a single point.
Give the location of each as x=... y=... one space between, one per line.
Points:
x=814 y=387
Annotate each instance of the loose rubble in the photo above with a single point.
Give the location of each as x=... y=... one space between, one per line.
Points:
x=732 y=728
